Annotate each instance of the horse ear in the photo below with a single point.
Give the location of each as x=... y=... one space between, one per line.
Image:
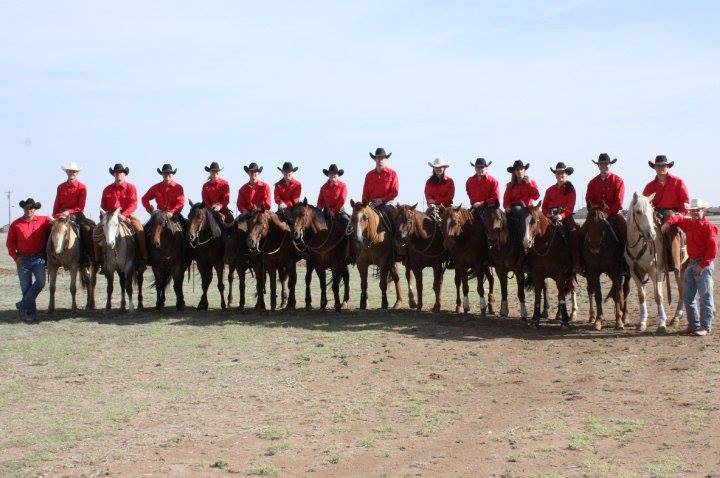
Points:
x=651 y=197
x=352 y=203
x=305 y=201
x=635 y=197
x=537 y=206
x=191 y=203
x=458 y=207
x=414 y=206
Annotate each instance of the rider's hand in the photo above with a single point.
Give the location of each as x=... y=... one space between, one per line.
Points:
x=558 y=217
x=477 y=204
x=216 y=207
x=18 y=261
x=431 y=202
x=376 y=202
x=697 y=270
x=64 y=214
x=124 y=219
x=281 y=205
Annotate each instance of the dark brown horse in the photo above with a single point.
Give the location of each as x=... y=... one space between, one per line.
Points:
x=466 y=242
x=207 y=250
x=166 y=248
x=238 y=259
x=271 y=239
x=373 y=245
x=324 y=242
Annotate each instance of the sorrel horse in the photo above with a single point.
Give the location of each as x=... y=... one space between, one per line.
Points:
x=207 y=249
x=325 y=243
x=238 y=259
x=466 y=242
x=63 y=250
x=168 y=257
x=602 y=252
x=118 y=239
x=373 y=244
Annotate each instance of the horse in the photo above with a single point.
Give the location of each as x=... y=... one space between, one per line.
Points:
x=207 y=249
x=325 y=246
x=646 y=261
x=550 y=259
x=373 y=244
x=271 y=239
x=167 y=255
x=237 y=258
x=602 y=252
x=63 y=250
x=466 y=242
x=119 y=257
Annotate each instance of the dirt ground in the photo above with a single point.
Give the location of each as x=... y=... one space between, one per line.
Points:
x=358 y=394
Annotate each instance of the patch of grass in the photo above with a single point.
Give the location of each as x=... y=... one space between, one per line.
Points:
x=220 y=464
x=666 y=466
x=366 y=442
x=600 y=467
x=274 y=433
x=579 y=442
x=612 y=428
x=334 y=460
x=263 y=469
x=280 y=447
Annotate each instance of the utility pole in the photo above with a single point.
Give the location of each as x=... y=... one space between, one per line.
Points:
x=9 y=196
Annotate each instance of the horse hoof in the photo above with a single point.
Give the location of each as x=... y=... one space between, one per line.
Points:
x=641 y=327
x=567 y=325
x=344 y=306
x=436 y=309
x=661 y=329
x=458 y=310
x=412 y=304
x=619 y=327
x=397 y=305
x=598 y=325
x=308 y=308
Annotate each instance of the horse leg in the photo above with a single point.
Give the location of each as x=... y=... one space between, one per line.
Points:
x=409 y=277
x=291 y=282
x=91 y=282
x=273 y=289
x=419 y=288
x=129 y=291
x=259 y=286
x=336 y=287
x=159 y=288
x=659 y=299
x=283 y=277
x=121 y=280
x=110 y=279
x=562 y=307
x=205 y=279
x=52 y=277
x=322 y=275
x=520 y=279
x=140 y=276
x=458 y=282
x=308 y=280
x=538 y=283
x=504 y=309
x=437 y=286
x=346 y=286
x=617 y=296
x=219 y=271
x=363 y=270
x=383 y=287
x=642 y=324
x=230 y=279
x=178 y=287
x=574 y=305
x=597 y=297
x=73 y=287
x=591 y=298
x=680 y=309
x=241 y=288
x=480 y=275
x=398 y=291
x=465 y=293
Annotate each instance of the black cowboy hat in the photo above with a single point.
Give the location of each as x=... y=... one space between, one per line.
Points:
x=287 y=166
x=481 y=163
x=167 y=168
x=517 y=165
x=561 y=167
x=253 y=167
x=119 y=168
x=214 y=166
x=333 y=169
x=604 y=158
x=379 y=152
x=661 y=160
x=30 y=204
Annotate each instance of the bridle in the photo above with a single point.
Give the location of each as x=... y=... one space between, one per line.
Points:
x=195 y=241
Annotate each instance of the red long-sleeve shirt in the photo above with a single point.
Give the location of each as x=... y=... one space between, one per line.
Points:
x=168 y=197
x=521 y=193
x=610 y=190
x=485 y=190
x=383 y=186
x=28 y=237
x=253 y=196
x=701 y=238
x=216 y=192
x=123 y=197
x=70 y=197
x=332 y=196
x=442 y=193
x=287 y=193
x=557 y=197
x=672 y=195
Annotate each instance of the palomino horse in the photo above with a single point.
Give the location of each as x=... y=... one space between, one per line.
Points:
x=602 y=252
x=646 y=261
x=119 y=256
x=374 y=246
x=63 y=250
x=207 y=249
x=466 y=241
x=238 y=259
x=166 y=248
x=271 y=239
x=550 y=259
x=326 y=248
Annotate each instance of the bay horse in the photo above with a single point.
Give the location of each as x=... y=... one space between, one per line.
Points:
x=373 y=245
x=63 y=250
x=270 y=239
x=238 y=259
x=324 y=241
x=602 y=252
x=207 y=249
x=466 y=242
x=646 y=261
x=167 y=256
x=118 y=241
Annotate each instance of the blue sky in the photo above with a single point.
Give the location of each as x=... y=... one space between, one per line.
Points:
x=145 y=83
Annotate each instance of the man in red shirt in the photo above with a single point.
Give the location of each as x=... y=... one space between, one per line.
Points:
x=439 y=188
x=609 y=189
x=559 y=204
x=70 y=203
x=216 y=194
x=669 y=194
x=333 y=193
x=255 y=193
x=482 y=188
x=26 y=242
x=168 y=195
x=381 y=185
x=698 y=276
x=287 y=190
x=121 y=195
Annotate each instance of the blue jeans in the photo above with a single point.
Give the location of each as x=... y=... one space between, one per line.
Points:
x=30 y=267
x=700 y=286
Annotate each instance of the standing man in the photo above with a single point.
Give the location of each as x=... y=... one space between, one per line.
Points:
x=608 y=188
x=70 y=204
x=216 y=194
x=255 y=193
x=26 y=242
x=698 y=276
x=482 y=189
x=168 y=195
x=287 y=190
x=381 y=185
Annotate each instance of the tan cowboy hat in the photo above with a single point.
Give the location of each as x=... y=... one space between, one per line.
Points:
x=438 y=163
x=71 y=167
x=697 y=203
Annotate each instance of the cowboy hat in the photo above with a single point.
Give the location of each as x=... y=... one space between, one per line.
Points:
x=119 y=168
x=517 y=165
x=438 y=163
x=214 y=166
x=30 y=203
x=561 y=167
x=661 y=160
x=333 y=169
x=696 y=203
x=253 y=167
x=481 y=163
x=604 y=158
x=167 y=168
x=380 y=153
x=71 y=167
x=287 y=166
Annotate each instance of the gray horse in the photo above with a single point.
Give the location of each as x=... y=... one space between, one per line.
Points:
x=118 y=242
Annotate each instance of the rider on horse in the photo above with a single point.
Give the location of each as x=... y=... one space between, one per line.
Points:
x=520 y=193
x=255 y=194
x=70 y=203
x=168 y=195
x=381 y=184
x=558 y=206
x=287 y=190
x=216 y=194
x=482 y=188
x=609 y=189
x=439 y=188
x=333 y=195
